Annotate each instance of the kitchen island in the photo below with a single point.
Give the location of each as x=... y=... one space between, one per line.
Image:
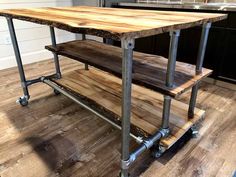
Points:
x=144 y=115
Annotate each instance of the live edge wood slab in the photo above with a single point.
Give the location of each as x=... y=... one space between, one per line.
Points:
x=148 y=70
x=112 y=23
x=102 y=91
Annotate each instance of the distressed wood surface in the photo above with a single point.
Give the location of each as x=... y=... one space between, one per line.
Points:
x=102 y=92
x=112 y=23
x=148 y=70
x=60 y=140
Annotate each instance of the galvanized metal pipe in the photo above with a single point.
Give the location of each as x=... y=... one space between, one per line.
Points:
x=174 y=38
x=200 y=59
x=202 y=47
x=166 y=112
x=37 y=80
x=86 y=66
x=70 y=96
x=127 y=47
x=18 y=58
x=56 y=59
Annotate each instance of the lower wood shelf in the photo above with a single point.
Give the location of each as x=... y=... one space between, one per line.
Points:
x=102 y=91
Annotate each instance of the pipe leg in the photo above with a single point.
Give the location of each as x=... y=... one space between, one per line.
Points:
x=127 y=47
x=170 y=78
x=200 y=59
x=24 y=99
x=56 y=60
x=86 y=66
x=166 y=113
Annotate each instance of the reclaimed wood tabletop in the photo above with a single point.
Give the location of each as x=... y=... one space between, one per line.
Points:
x=115 y=23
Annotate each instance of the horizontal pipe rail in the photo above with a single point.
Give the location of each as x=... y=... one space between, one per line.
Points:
x=34 y=81
x=56 y=87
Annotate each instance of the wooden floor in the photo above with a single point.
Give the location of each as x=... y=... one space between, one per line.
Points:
x=53 y=137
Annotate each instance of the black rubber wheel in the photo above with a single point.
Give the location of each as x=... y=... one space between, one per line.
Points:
x=23 y=101
x=56 y=92
x=156 y=154
x=156 y=151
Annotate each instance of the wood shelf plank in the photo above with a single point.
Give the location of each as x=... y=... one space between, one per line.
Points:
x=115 y=23
x=148 y=70
x=102 y=92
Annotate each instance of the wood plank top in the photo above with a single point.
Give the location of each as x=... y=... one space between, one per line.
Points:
x=103 y=92
x=115 y=23
x=148 y=70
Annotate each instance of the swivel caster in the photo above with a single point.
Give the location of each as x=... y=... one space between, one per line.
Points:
x=56 y=92
x=157 y=151
x=23 y=101
x=194 y=131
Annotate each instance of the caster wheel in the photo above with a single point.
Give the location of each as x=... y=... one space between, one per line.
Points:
x=56 y=92
x=23 y=101
x=157 y=152
x=194 y=132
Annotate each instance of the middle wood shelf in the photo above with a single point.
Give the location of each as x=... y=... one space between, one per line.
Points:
x=148 y=70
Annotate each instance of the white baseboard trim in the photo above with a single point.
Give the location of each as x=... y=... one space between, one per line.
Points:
x=8 y=62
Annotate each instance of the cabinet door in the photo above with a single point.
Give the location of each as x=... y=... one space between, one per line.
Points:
x=215 y=49
x=227 y=65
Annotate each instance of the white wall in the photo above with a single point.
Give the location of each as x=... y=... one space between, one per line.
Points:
x=31 y=37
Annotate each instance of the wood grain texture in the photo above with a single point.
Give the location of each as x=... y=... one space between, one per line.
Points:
x=112 y=23
x=148 y=70
x=102 y=92
x=64 y=132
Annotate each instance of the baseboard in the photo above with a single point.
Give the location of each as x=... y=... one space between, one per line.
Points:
x=8 y=62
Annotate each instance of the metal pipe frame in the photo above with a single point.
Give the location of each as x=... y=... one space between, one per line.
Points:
x=26 y=95
x=200 y=58
x=25 y=83
x=34 y=81
x=127 y=48
x=56 y=59
x=174 y=38
x=86 y=66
